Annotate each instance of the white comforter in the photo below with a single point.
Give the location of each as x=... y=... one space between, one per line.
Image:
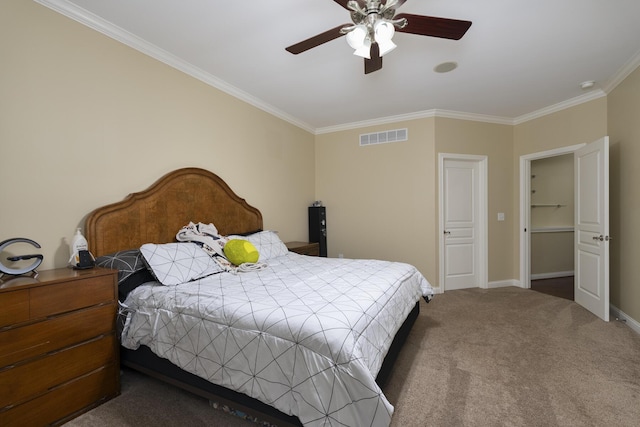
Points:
x=306 y=335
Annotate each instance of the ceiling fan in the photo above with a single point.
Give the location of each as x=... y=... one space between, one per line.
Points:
x=374 y=23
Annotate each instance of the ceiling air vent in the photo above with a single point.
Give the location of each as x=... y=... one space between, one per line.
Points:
x=395 y=135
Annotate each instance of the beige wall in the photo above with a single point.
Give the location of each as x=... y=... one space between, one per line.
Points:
x=494 y=141
x=579 y=124
x=85 y=120
x=380 y=199
x=624 y=133
x=552 y=254
x=552 y=184
x=364 y=187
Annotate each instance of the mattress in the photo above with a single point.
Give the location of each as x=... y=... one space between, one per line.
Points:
x=306 y=335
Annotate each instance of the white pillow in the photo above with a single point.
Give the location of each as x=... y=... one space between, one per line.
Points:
x=267 y=243
x=175 y=263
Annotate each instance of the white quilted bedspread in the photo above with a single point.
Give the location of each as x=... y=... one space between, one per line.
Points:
x=306 y=335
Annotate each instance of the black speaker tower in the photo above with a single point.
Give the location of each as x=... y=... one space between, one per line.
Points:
x=318 y=227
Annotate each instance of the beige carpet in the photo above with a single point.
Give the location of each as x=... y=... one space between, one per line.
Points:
x=499 y=357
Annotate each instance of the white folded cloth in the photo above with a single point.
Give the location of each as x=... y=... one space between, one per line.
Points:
x=206 y=235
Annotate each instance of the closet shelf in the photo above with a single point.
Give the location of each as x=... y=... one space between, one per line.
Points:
x=552 y=230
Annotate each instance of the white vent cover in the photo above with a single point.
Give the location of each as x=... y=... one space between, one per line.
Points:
x=395 y=135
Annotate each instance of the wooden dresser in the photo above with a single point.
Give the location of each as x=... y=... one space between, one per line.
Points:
x=58 y=348
x=304 y=248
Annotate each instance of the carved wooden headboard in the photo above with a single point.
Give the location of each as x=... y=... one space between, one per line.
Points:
x=156 y=214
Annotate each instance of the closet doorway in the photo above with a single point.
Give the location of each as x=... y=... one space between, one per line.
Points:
x=552 y=225
x=526 y=209
x=591 y=222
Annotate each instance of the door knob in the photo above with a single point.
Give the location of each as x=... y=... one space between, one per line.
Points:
x=447 y=232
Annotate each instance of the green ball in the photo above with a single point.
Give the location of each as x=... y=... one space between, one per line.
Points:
x=240 y=251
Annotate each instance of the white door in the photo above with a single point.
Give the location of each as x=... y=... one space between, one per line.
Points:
x=592 y=227
x=461 y=223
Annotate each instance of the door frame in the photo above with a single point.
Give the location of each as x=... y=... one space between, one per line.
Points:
x=482 y=200
x=525 y=207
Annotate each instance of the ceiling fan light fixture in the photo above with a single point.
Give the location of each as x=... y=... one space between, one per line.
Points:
x=383 y=32
x=386 y=47
x=356 y=38
x=364 y=51
x=374 y=24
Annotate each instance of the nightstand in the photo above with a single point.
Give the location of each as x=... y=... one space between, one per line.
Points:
x=59 y=355
x=304 y=248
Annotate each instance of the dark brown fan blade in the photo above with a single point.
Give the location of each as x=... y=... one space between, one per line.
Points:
x=343 y=3
x=314 y=41
x=375 y=63
x=435 y=27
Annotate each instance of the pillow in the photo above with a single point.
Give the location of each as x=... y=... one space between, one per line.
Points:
x=239 y=251
x=127 y=263
x=132 y=270
x=138 y=278
x=247 y=233
x=176 y=263
x=267 y=243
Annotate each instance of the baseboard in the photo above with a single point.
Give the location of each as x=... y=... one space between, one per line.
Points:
x=618 y=314
x=490 y=285
x=552 y=275
x=503 y=283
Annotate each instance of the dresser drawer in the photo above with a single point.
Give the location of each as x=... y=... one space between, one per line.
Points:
x=14 y=307
x=36 y=377
x=56 y=405
x=36 y=339
x=72 y=295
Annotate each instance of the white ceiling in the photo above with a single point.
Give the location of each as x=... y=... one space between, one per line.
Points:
x=518 y=59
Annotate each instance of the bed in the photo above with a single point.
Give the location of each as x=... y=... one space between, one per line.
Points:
x=301 y=341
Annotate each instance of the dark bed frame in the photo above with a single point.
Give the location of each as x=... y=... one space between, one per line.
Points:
x=154 y=216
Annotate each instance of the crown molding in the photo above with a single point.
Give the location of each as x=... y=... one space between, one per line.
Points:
x=93 y=21
x=623 y=73
x=110 y=30
x=611 y=84
x=595 y=94
x=474 y=117
x=374 y=122
x=414 y=116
